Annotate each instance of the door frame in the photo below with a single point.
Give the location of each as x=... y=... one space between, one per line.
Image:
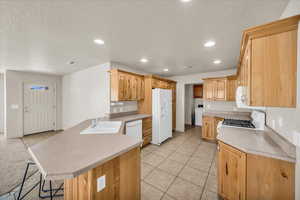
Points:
x=42 y=82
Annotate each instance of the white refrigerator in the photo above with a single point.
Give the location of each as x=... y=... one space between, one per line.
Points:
x=161 y=115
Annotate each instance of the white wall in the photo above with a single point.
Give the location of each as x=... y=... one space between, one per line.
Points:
x=180 y=89
x=86 y=94
x=1 y=103
x=13 y=92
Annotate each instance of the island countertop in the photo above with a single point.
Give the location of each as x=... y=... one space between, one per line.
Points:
x=69 y=154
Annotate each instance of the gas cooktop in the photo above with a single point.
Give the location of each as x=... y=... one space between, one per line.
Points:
x=238 y=123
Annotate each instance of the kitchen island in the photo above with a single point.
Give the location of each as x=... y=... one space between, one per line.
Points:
x=80 y=160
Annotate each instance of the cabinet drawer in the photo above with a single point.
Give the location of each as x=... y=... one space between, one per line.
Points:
x=147 y=123
x=147 y=140
x=147 y=132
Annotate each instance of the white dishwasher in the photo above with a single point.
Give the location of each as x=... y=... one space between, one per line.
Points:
x=135 y=129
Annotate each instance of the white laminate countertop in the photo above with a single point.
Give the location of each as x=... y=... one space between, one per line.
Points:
x=69 y=154
x=253 y=142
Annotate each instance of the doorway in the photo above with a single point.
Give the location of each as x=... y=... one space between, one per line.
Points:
x=39 y=107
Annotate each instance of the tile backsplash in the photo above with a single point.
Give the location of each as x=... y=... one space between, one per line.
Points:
x=222 y=106
x=123 y=106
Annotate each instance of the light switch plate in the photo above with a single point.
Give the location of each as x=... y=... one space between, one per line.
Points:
x=100 y=183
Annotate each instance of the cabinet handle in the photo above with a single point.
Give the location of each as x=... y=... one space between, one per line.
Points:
x=226 y=171
x=284 y=175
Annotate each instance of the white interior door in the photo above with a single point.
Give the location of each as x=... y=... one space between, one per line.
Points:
x=39 y=107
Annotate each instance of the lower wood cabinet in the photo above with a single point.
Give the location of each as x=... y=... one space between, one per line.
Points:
x=209 y=127
x=147 y=131
x=231 y=173
x=243 y=176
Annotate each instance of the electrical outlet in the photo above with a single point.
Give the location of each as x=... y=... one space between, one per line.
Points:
x=100 y=183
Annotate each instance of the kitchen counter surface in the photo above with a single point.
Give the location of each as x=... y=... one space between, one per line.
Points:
x=70 y=154
x=253 y=142
x=228 y=115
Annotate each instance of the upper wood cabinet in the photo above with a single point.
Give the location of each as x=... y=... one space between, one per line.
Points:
x=198 y=91
x=268 y=63
x=126 y=86
x=220 y=89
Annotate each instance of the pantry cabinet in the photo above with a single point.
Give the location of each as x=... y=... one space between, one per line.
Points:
x=220 y=89
x=126 y=86
x=243 y=176
x=268 y=64
x=209 y=127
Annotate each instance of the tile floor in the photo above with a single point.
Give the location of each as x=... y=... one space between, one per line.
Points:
x=182 y=168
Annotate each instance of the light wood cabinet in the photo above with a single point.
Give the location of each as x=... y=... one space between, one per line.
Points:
x=151 y=81
x=232 y=84
x=268 y=63
x=220 y=89
x=270 y=179
x=147 y=131
x=209 y=127
x=231 y=173
x=198 y=91
x=252 y=177
x=126 y=86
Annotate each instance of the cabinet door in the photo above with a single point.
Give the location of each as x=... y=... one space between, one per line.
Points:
x=122 y=86
x=207 y=128
x=209 y=89
x=231 y=88
x=231 y=172
x=220 y=86
x=273 y=70
x=142 y=89
x=133 y=87
x=270 y=179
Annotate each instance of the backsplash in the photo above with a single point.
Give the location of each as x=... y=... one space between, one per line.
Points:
x=222 y=106
x=123 y=106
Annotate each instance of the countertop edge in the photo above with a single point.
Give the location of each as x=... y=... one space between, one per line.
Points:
x=87 y=168
x=259 y=153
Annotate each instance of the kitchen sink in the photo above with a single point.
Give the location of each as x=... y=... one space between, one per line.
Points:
x=103 y=127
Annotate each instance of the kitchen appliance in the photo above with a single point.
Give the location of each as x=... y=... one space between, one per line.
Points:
x=135 y=129
x=161 y=115
x=257 y=121
x=198 y=116
x=241 y=97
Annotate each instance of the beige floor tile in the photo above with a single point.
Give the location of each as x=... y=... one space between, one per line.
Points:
x=187 y=150
x=168 y=197
x=159 y=179
x=212 y=183
x=207 y=195
x=183 y=190
x=153 y=159
x=180 y=157
x=150 y=148
x=200 y=163
x=195 y=176
x=148 y=192
x=146 y=169
x=213 y=169
x=164 y=152
x=171 y=166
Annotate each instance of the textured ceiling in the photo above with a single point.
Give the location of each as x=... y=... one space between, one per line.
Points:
x=43 y=36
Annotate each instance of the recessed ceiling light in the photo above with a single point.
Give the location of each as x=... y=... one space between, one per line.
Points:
x=144 y=60
x=185 y=1
x=210 y=43
x=217 y=62
x=166 y=70
x=99 y=41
